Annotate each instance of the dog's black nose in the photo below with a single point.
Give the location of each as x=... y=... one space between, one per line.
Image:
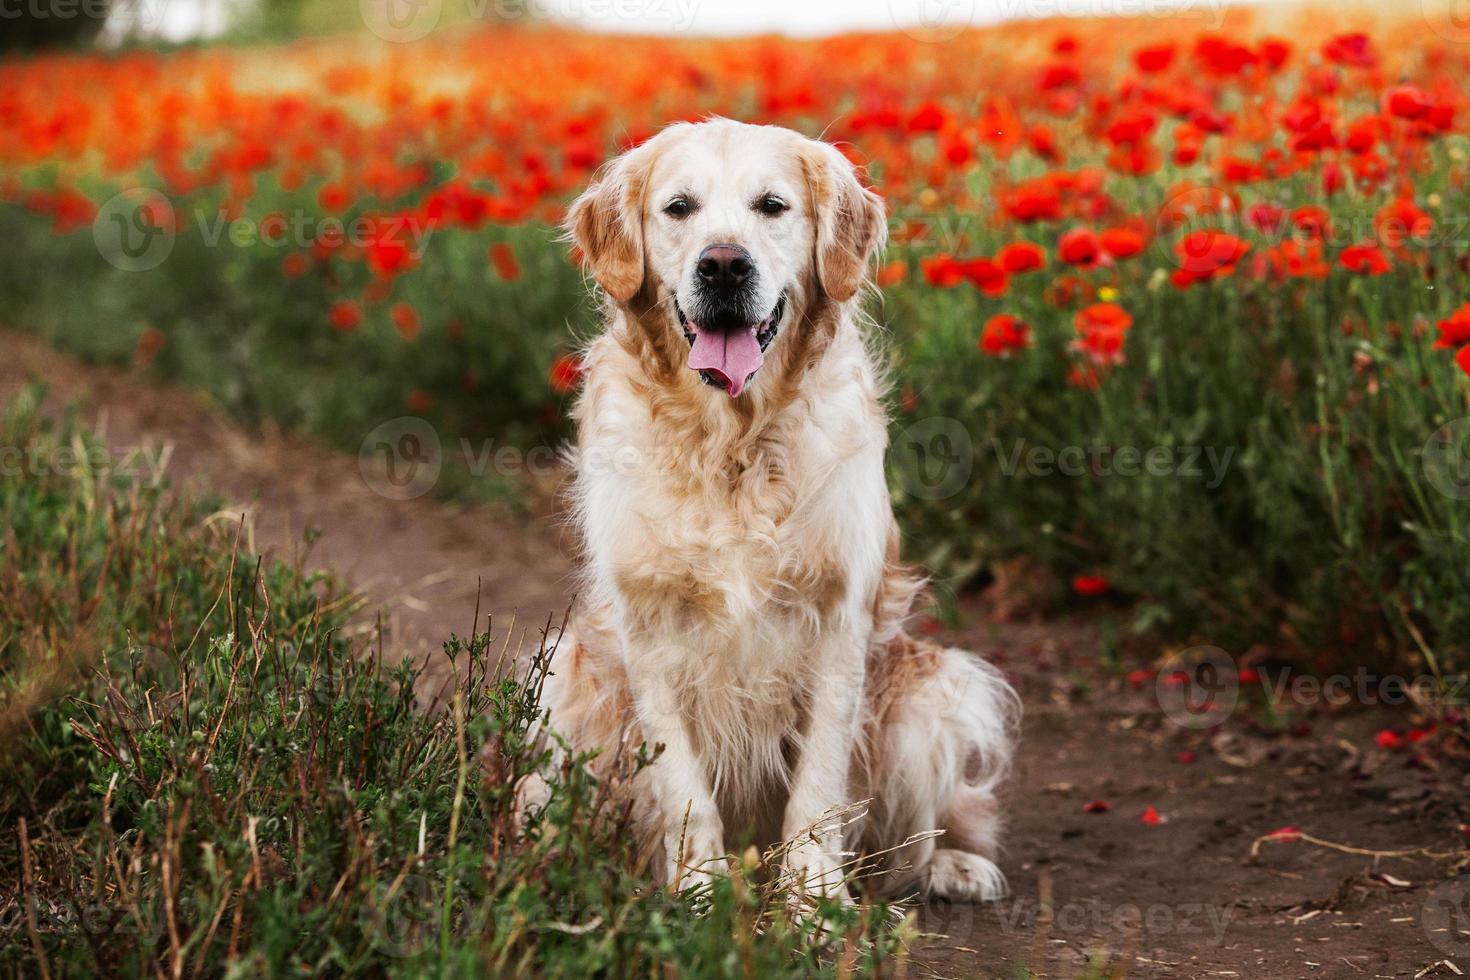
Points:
x=725 y=267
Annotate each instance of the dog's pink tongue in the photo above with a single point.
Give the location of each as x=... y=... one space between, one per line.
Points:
x=733 y=355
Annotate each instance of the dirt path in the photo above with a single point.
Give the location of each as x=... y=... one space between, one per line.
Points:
x=417 y=560
x=1178 y=899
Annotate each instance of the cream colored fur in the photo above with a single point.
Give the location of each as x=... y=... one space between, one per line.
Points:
x=743 y=599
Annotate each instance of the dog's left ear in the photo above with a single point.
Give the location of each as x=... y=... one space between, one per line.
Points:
x=851 y=222
x=606 y=223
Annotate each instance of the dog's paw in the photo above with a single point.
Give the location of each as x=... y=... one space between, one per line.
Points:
x=695 y=859
x=817 y=871
x=964 y=877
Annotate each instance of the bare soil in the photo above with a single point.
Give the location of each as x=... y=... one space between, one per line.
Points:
x=1092 y=881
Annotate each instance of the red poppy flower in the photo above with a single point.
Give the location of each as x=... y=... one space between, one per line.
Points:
x=1455 y=331
x=1407 y=102
x=1150 y=817
x=345 y=317
x=1121 y=243
x=1462 y=359
x=928 y=118
x=405 y=320
x=985 y=275
x=1266 y=218
x=1207 y=254
x=1090 y=585
x=1035 y=200
x=1079 y=247
x=387 y=255
x=566 y=373
x=1131 y=126
x=1004 y=333
x=504 y=260
x=1365 y=260
x=1103 y=316
x=332 y=198
x=1402 y=222
x=1019 y=257
x=1351 y=50
x=1155 y=58
x=1389 y=739
x=942 y=270
x=892 y=274
x=1313 y=220
x=1274 y=52
x=1059 y=76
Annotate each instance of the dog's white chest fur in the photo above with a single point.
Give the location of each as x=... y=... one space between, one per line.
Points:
x=730 y=567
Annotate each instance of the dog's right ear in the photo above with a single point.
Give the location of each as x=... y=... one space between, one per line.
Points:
x=606 y=223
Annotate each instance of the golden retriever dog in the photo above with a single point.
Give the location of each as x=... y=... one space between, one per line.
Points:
x=744 y=602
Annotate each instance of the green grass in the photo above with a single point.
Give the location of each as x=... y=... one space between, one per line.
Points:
x=203 y=773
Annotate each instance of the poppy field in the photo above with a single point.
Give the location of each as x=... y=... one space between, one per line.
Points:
x=1178 y=316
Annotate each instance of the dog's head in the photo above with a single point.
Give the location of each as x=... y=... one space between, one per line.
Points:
x=724 y=235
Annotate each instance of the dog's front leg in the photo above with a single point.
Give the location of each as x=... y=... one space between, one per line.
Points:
x=819 y=789
x=693 y=832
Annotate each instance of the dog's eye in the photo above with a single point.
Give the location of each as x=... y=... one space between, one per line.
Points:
x=679 y=207
x=771 y=205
